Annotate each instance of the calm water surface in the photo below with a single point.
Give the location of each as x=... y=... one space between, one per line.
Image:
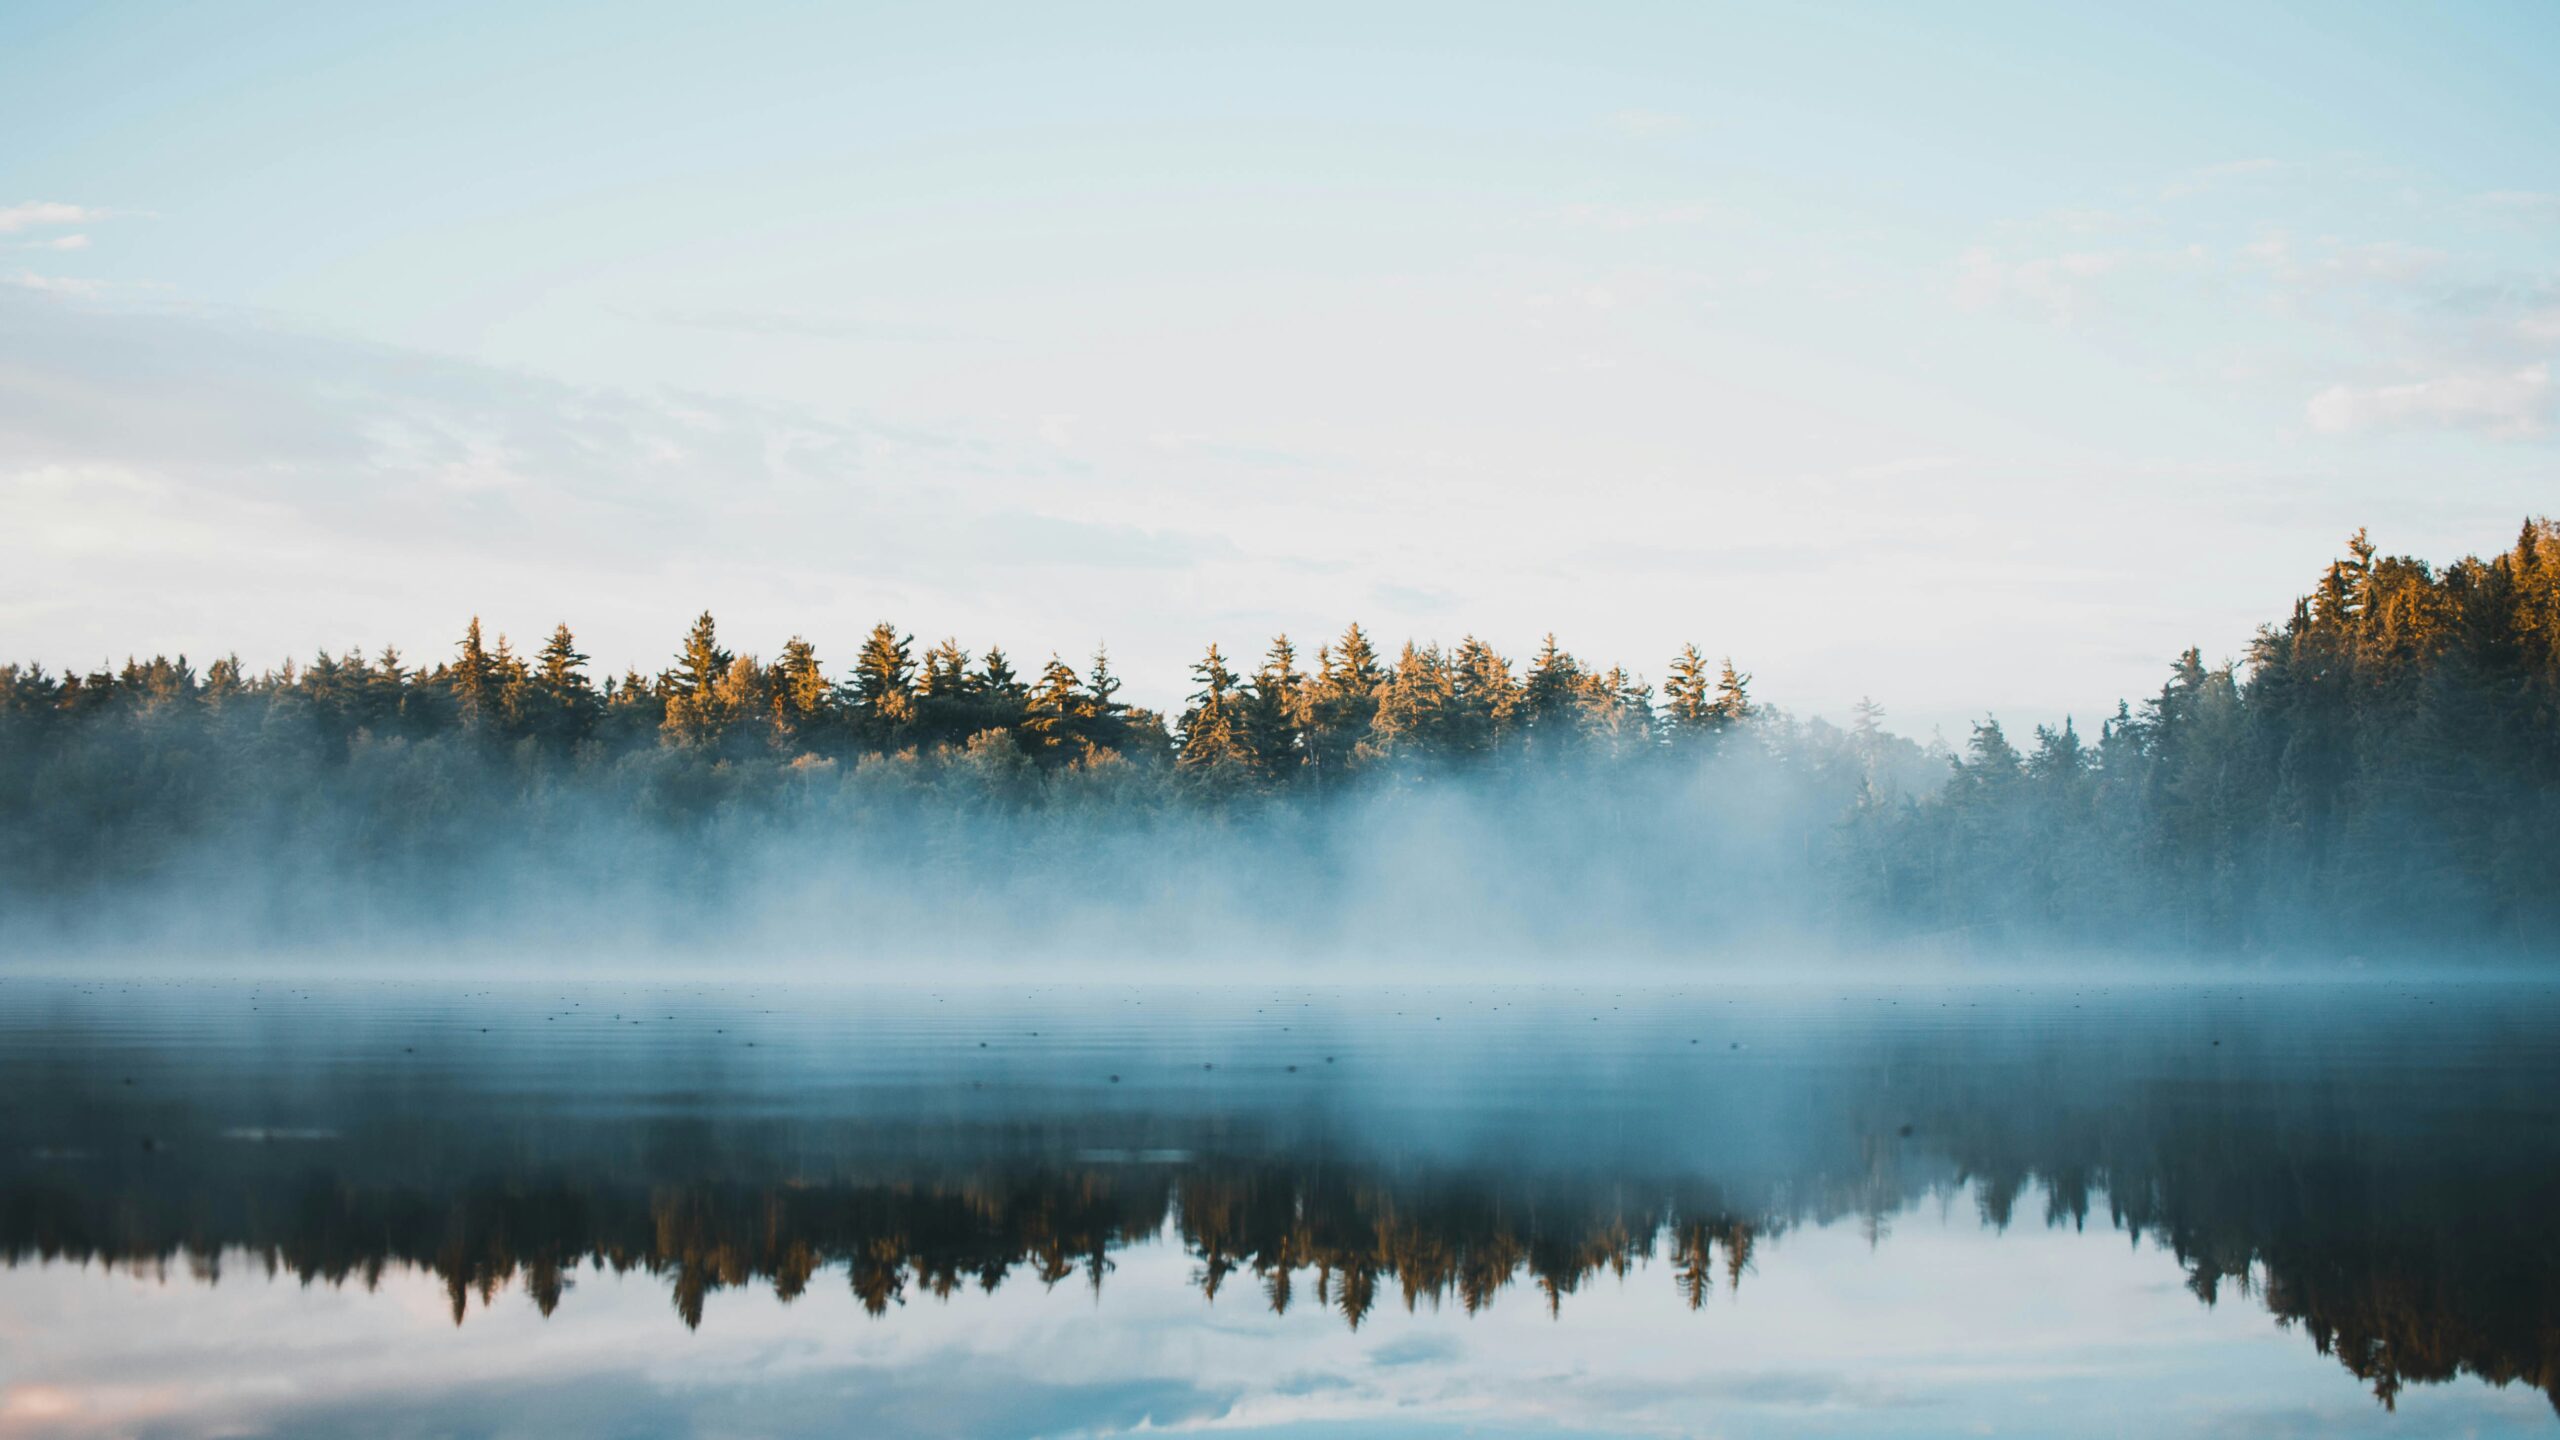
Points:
x=545 y=1208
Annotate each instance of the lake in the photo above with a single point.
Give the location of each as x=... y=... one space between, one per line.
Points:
x=526 y=1207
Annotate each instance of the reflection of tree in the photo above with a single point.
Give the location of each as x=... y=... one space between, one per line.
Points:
x=1462 y=1239
x=2404 y=1276
x=2404 y=1228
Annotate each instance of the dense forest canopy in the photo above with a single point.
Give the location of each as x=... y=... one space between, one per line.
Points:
x=2381 y=770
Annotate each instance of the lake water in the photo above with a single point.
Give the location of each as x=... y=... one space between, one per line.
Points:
x=545 y=1208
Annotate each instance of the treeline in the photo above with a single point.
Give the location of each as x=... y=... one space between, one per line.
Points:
x=1280 y=726
x=2383 y=767
x=2382 y=770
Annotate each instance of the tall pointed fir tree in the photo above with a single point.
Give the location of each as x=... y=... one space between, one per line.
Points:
x=1343 y=702
x=883 y=688
x=1275 y=712
x=564 y=704
x=1687 y=697
x=474 y=678
x=690 y=689
x=1213 y=739
x=803 y=701
x=1055 y=717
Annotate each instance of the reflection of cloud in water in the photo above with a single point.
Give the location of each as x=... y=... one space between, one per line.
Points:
x=1508 y=1212
x=2035 y=1334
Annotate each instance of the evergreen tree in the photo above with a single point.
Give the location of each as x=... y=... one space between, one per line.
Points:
x=473 y=678
x=693 y=706
x=1732 y=703
x=565 y=704
x=1001 y=695
x=1106 y=719
x=1213 y=735
x=1275 y=711
x=1482 y=700
x=1059 y=708
x=883 y=689
x=700 y=662
x=1688 y=698
x=803 y=702
x=1342 y=702
x=948 y=711
x=1416 y=706
x=1548 y=697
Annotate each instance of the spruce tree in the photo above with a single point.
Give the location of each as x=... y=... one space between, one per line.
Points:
x=1687 y=697
x=803 y=701
x=566 y=704
x=883 y=689
x=1212 y=733
x=700 y=662
x=473 y=680
x=1275 y=711
x=1055 y=719
x=1343 y=702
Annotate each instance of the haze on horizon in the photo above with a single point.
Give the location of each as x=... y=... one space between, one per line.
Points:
x=1979 y=361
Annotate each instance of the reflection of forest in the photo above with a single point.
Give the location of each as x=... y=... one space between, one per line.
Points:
x=1334 y=1234
x=2404 y=1276
x=2378 y=1168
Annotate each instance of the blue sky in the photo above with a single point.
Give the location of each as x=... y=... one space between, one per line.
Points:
x=1971 y=357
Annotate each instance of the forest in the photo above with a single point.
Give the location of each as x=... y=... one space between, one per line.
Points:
x=2377 y=774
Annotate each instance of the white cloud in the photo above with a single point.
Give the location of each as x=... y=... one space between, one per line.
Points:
x=2508 y=405
x=58 y=242
x=2205 y=177
x=1646 y=124
x=1622 y=218
x=2527 y=204
x=40 y=214
x=2051 y=283
x=1899 y=467
x=51 y=284
x=207 y=450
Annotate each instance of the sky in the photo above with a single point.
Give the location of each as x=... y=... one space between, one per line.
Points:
x=1975 y=358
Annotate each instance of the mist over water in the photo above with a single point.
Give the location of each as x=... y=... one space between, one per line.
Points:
x=865 y=875
x=2336 y=1198
x=2375 y=786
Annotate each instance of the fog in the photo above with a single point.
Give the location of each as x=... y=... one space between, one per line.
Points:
x=1791 y=846
x=2370 y=1163
x=2376 y=784
x=869 y=868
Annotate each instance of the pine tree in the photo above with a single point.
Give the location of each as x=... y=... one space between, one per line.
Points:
x=1001 y=696
x=1275 y=711
x=1548 y=696
x=803 y=701
x=1212 y=735
x=1732 y=703
x=1056 y=715
x=1343 y=702
x=883 y=689
x=1483 y=698
x=695 y=709
x=1415 y=706
x=699 y=663
x=1107 y=719
x=1688 y=697
x=566 y=704
x=473 y=680
x=947 y=702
